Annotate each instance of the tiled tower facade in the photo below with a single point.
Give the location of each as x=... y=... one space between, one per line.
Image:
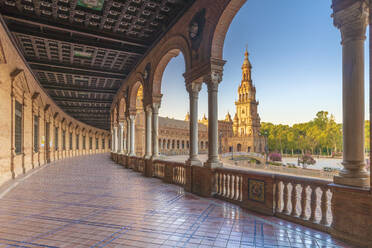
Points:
x=247 y=120
x=246 y=124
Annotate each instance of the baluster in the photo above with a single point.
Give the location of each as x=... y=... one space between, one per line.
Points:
x=237 y=186
x=228 y=186
x=303 y=202
x=231 y=186
x=277 y=195
x=285 y=197
x=221 y=184
x=313 y=204
x=224 y=185
x=294 y=200
x=324 y=206
x=241 y=189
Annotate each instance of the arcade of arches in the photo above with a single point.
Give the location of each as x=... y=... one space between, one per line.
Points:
x=81 y=77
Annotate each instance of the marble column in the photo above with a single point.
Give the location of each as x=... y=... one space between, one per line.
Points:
x=212 y=83
x=148 y=115
x=112 y=140
x=155 y=130
x=132 y=151
x=128 y=136
x=194 y=89
x=115 y=139
x=121 y=137
x=352 y=23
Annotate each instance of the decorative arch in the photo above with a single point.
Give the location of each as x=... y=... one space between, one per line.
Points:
x=122 y=109
x=133 y=91
x=114 y=115
x=170 y=49
x=223 y=25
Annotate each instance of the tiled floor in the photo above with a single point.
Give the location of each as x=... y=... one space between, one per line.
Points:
x=92 y=202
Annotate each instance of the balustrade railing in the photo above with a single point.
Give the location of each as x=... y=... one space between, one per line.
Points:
x=229 y=184
x=179 y=174
x=159 y=169
x=305 y=199
x=299 y=199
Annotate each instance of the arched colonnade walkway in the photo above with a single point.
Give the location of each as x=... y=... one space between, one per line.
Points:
x=200 y=35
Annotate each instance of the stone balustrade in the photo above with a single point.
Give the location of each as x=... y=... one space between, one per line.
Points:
x=301 y=200
x=229 y=185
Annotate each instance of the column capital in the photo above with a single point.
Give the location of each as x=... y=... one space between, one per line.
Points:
x=148 y=108
x=155 y=107
x=351 y=20
x=213 y=79
x=131 y=112
x=194 y=87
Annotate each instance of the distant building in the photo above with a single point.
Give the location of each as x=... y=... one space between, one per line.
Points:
x=247 y=122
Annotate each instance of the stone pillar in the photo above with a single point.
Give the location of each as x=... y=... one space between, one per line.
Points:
x=212 y=82
x=115 y=139
x=112 y=140
x=121 y=137
x=132 y=119
x=148 y=114
x=128 y=136
x=352 y=23
x=193 y=89
x=155 y=130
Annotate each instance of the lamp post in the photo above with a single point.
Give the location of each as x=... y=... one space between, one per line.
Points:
x=266 y=134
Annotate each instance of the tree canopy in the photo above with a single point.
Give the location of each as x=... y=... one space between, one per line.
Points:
x=322 y=135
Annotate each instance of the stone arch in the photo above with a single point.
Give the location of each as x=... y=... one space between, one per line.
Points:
x=114 y=116
x=223 y=25
x=122 y=109
x=133 y=91
x=170 y=49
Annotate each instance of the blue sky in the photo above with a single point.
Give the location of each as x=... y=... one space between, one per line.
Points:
x=296 y=56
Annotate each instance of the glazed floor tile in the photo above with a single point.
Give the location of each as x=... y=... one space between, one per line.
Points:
x=90 y=201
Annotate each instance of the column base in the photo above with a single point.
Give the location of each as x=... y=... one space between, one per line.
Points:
x=194 y=162
x=213 y=164
x=154 y=157
x=132 y=155
x=147 y=157
x=352 y=181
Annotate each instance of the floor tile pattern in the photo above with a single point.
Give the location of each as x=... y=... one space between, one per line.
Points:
x=92 y=202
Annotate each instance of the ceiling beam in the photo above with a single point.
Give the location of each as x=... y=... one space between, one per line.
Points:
x=86 y=108
x=69 y=99
x=75 y=30
x=79 y=89
x=75 y=70
x=75 y=41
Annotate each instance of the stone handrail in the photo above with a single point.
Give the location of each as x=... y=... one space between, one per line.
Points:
x=299 y=199
x=304 y=200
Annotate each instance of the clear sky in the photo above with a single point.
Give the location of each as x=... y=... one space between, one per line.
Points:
x=296 y=56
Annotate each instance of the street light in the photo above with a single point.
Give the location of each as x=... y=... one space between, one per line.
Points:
x=266 y=134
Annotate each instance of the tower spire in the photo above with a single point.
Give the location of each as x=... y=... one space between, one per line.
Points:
x=246 y=68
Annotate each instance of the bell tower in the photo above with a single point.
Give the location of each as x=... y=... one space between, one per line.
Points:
x=246 y=120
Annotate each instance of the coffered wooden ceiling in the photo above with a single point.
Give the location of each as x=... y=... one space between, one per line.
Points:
x=81 y=51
